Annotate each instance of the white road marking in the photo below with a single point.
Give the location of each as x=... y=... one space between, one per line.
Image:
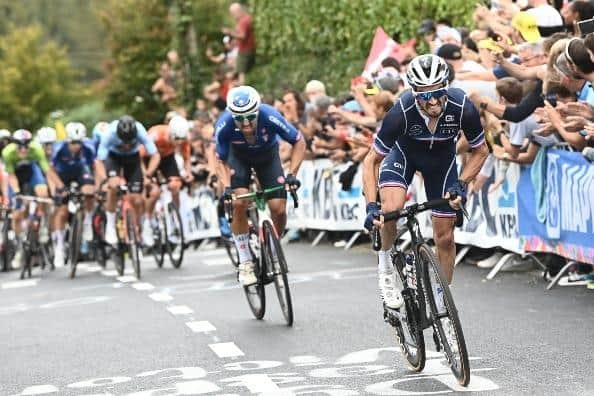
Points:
x=160 y=297
x=127 y=278
x=306 y=360
x=217 y=261
x=109 y=273
x=201 y=326
x=93 y=268
x=256 y=383
x=20 y=283
x=39 y=390
x=180 y=310
x=215 y=252
x=143 y=286
x=226 y=349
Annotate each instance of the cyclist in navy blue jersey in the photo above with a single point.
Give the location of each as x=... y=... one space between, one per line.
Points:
x=247 y=136
x=419 y=134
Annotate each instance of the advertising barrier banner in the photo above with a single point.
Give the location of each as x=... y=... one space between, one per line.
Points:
x=562 y=221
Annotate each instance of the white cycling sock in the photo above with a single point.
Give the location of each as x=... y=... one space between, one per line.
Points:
x=110 y=219
x=384 y=266
x=59 y=238
x=243 y=247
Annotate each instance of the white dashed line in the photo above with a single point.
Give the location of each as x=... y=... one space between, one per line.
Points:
x=143 y=286
x=215 y=252
x=160 y=297
x=39 y=390
x=226 y=349
x=203 y=326
x=217 y=261
x=180 y=310
x=93 y=268
x=20 y=283
x=127 y=278
x=109 y=273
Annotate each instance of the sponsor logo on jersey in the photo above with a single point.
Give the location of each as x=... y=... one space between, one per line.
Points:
x=415 y=130
x=278 y=123
x=449 y=118
x=398 y=165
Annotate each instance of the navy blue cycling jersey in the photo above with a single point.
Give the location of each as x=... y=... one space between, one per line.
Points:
x=406 y=119
x=270 y=125
x=64 y=162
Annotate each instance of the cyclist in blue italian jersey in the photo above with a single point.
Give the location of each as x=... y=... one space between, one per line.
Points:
x=419 y=133
x=73 y=161
x=119 y=152
x=246 y=138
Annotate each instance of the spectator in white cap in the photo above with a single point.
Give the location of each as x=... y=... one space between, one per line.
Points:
x=313 y=90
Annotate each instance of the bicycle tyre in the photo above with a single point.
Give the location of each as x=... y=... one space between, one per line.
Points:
x=256 y=294
x=175 y=218
x=231 y=250
x=460 y=367
x=416 y=360
x=133 y=242
x=75 y=241
x=98 y=232
x=5 y=244
x=278 y=269
x=158 y=248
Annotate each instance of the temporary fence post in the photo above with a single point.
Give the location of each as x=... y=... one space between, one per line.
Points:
x=318 y=238
x=461 y=255
x=353 y=239
x=502 y=261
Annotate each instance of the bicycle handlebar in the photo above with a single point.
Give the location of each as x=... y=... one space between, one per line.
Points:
x=410 y=211
x=259 y=195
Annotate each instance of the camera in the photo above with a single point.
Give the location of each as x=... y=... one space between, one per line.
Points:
x=585 y=27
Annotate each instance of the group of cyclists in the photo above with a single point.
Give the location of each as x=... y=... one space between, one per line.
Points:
x=44 y=167
x=419 y=133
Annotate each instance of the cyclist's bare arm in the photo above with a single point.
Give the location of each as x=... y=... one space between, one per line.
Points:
x=476 y=158
x=371 y=165
x=297 y=154
x=14 y=183
x=224 y=173
x=153 y=164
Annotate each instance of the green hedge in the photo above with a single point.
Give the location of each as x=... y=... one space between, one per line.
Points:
x=330 y=39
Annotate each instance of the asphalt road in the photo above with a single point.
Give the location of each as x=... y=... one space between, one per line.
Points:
x=190 y=331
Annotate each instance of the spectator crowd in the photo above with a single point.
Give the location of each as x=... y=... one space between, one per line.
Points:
x=528 y=66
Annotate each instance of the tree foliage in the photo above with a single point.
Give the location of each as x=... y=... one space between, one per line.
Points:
x=330 y=39
x=71 y=23
x=35 y=78
x=139 y=36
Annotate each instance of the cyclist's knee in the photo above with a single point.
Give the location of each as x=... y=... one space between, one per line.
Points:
x=41 y=191
x=174 y=186
x=136 y=200
x=154 y=192
x=240 y=206
x=113 y=183
x=443 y=238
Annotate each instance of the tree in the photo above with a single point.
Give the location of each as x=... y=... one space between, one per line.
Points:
x=35 y=78
x=138 y=36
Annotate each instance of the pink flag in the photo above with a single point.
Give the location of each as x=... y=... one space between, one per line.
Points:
x=382 y=47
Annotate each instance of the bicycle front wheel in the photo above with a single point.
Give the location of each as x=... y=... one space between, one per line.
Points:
x=255 y=294
x=75 y=241
x=447 y=323
x=5 y=244
x=277 y=269
x=409 y=333
x=159 y=235
x=175 y=236
x=133 y=248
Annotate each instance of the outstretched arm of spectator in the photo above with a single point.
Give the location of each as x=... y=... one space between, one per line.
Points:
x=520 y=72
x=354 y=118
x=486 y=75
x=487 y=104
x=576 y=140
x=526 y=107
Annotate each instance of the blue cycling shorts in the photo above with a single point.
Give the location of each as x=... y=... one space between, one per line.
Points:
x=437 y=165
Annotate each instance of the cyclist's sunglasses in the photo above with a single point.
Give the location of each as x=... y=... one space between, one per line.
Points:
x=437 y=94
x=241 y=118
x=23 y=146
x=79 y=142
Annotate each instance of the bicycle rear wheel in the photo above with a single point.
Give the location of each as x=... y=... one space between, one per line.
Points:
x=133 y=248
x=5 y=247
x=75 y=241
x=447 y=323
x=98 y=233
x=277 y=269
x=175 y=237
x=409 y=333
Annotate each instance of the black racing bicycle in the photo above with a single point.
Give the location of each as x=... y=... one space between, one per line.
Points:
x=37 y=246
x=75 y=224
x=270 y=265
x=7 y=245
x=421 y=276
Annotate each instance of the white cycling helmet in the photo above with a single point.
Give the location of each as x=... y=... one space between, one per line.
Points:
x=46 y=135
x=427 y=70
x=5 y=134
x=243 y=100
x=75 y=131
x=179 y=127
